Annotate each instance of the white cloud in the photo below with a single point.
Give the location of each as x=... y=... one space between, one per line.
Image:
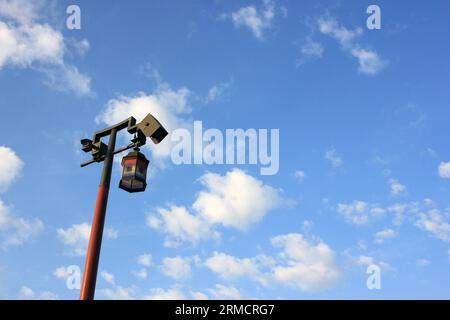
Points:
x=258 y=20
x=383 y=235
x=396 y=187
x=359 y=212
x=61 y=272
x=76 y=237
x=177 y=268
x=21 y=10
x=112 y=233
x=67 y=78
x=221 y=292
x=141 y=273
x=227 y=200
x=15 y=230
x=365 y=260
x=230 y=268
x=197 y=295
x=300 y=175
x=444 y=170
x=435 y=223
x=161 y=294
x=423 y=214
x=145 y=260
x=369 y=61
x=431 y=152
x=81 y=46
x=307 y=226
x=26 y=44
x=25 y=41
x=10 y=167
x=312 y=48
x=217 y=91
x=24 y=230
x=422 y=262
x=309 y=50
x=332 y=156
x=118 y=293
x=169 y=106
x=108 y=277
x=26 y=293
x=5 y=216
x=307 y=266
x=399 y=210
x=180 y=226
x=48 y=295
x=330 y=26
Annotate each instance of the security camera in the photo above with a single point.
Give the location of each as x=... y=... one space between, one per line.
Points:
x=99 y=150
x=151 y=128
x=86 y=145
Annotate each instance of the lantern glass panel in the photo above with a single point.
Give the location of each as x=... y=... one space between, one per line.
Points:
x=141 y=171
x=129 y=169
x=134 y=172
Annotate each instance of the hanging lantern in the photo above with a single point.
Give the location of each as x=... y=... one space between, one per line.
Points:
x=134 y=172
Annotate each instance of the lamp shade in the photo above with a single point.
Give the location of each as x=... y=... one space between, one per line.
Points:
x=134 y=172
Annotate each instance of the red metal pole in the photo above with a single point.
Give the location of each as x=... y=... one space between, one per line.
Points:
x=87 y=291
x=95 y=243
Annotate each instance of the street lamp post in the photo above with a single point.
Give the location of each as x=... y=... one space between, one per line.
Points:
x=149 y=127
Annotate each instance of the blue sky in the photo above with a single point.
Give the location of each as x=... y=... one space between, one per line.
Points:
x=364 y=166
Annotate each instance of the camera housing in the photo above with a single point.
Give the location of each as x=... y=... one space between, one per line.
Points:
x=151 y=128
x=99 y=150
x=86 y=145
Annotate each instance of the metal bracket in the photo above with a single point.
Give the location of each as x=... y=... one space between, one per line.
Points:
x=149 y=127
x=129 y=123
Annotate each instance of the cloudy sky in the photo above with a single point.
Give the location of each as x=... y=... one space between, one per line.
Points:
x=364 y=158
